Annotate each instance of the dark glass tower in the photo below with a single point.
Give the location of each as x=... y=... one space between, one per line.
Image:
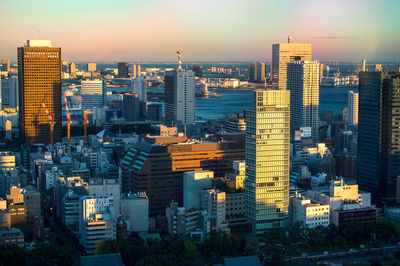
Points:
x=378 y=133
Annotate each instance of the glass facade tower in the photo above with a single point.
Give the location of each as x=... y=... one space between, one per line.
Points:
x=267 y=160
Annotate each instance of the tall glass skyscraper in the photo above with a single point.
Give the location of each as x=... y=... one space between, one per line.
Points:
x=378 y=161
x=267 y=160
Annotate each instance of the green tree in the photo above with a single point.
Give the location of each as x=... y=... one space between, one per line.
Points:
x=190 y=248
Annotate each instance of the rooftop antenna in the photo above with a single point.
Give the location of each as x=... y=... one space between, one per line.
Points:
x=179 y=52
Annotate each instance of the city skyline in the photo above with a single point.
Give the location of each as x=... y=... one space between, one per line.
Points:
x=133 y=31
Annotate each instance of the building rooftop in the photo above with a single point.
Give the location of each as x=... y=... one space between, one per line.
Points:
x=102 y=260
x=241 y=261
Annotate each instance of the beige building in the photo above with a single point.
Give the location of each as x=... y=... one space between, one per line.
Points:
x=310 y=213
x=91 y=67
x=135 y=71
x=353 y=107
x=284 y=53
x=239 y=174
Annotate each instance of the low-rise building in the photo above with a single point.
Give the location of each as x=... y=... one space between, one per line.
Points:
x=310 y=213
x=135 y=211
x=12 y=237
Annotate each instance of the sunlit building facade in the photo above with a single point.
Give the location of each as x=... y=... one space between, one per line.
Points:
x=284 y=53
x=39 y=79
x=353 y=107
x=267 y=160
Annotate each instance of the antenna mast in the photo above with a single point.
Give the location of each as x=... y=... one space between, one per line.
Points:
x=179 y=60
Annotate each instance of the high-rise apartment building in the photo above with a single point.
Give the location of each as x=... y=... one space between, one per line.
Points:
x=122 y=70
x=378 y=160
x=9 y=93
x=284 y=53
x=5 y=65
x=135 y=71
x=180 y=98
x=92 y=91
x=39 y=80
x=91 y=67
x=303 y=83
x=267 y=160
x=352 y=104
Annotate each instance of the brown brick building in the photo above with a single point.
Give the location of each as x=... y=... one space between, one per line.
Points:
x=156 y=165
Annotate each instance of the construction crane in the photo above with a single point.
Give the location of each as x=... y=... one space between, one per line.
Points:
x=69 y=121
x=85 y=123
x=51 y=121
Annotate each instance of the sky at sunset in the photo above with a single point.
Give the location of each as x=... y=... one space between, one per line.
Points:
x=206 y=30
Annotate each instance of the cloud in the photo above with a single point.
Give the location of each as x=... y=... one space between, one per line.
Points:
x=333 y=37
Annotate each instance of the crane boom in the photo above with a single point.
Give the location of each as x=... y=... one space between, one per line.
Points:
x=51 y=121
x=69 y=121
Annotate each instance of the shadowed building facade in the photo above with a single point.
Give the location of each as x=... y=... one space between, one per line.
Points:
x=157 y=164
x=39 y=79
x=378 y=160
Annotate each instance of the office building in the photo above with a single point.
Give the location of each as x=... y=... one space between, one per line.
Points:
x=284 y=53
x=257 y=72
x=9 y=93
x=91 y=67
x=378 y=163
x=352 y=105
x=194 y=183
x=198 y=70
x=123 y=70
x=139 y=86
x=131 y=107
x=180 y=98
x=157 y=164
x=239 y=174
x=181 y=221
x=106 y=187
x=312 y=214
x=39 y=80
x=214 y=202
x=303 y=83
x=135 y=71
x=12 y=237
x=154 y=112
x=135 y=211
x=92 y=91
x=5 y=65
x=267 y=160
x=363 y=67
x=97 y=221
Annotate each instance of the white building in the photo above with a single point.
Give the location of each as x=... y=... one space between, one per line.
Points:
x=97 y=221
x=9 y=92
x=139 y=86
x=303 y=83
x=52 y=176
x=104 y=188
x=353 y=107
x=311 y=214
x=135 y=211
x=214 y=202
x=180 y=88
x=92 y=91
x=193 y=184
x=181 y=221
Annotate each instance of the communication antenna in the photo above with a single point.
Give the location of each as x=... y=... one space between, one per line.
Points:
x=179 y=52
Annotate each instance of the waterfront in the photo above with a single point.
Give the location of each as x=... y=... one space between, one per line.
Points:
x=331 y=99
